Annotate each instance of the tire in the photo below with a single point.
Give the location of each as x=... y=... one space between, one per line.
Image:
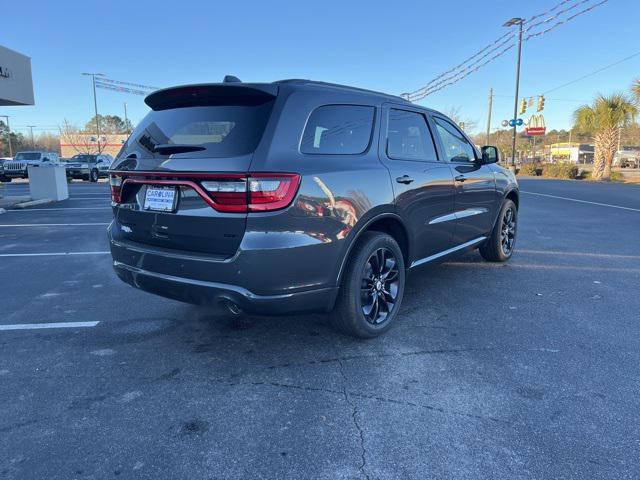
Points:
x=500 y=245
x=362 y=273
x=93 y=176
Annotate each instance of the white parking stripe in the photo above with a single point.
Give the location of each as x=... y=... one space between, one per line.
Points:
x=50 y=224
x=89 y=198
x=38 y=326
x=57 y=209
x=52 y=254
x=582 y=201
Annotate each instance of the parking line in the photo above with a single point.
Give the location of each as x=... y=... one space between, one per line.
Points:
x=8 y=225
x=52 y=254
x=39 y=326
x=582 y=201
x=57 y=209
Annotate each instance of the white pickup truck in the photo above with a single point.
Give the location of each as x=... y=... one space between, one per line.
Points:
x=17 y=168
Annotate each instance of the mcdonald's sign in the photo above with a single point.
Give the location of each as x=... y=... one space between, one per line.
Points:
x=535 y=125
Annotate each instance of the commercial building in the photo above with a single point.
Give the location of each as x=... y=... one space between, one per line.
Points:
x=82 y=143
x=16 y=84
x=571 y=152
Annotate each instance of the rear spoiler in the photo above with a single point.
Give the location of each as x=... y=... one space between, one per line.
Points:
x=211 y=94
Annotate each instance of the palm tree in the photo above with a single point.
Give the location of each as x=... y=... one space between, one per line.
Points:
x=603 y=119
x=635 y=90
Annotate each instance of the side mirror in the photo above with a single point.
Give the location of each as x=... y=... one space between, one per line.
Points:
x=45 y=159
x=490 y=154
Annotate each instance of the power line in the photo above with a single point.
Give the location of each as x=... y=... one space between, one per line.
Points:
x=592 y=73
x=458 y=73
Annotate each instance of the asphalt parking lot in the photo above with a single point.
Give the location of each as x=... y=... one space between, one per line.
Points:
x=523 y=370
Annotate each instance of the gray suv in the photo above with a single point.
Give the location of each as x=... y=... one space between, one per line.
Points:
x=300 y=196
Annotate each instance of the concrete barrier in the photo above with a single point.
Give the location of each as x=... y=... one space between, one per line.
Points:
x=48 y=182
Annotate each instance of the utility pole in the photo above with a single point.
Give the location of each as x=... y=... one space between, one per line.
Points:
x=6 y=117
x=510 y=23
x=489 y=115
x=95 y=103
x=33 y=144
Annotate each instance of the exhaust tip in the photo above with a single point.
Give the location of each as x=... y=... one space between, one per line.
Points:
x=232 y=307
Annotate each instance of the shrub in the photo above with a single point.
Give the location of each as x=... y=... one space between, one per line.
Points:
x=560 y=170
x=528 y=169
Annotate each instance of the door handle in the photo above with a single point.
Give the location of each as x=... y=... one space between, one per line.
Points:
x=406 y=179
x=460 y=178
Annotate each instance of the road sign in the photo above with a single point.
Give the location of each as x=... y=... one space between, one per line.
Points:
x=519 y=122
x=535 y=126
x=535 y=131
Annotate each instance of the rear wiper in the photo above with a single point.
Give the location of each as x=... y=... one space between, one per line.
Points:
x=169 y=148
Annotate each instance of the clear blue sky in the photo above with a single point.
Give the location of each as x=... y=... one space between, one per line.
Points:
x=389 y=46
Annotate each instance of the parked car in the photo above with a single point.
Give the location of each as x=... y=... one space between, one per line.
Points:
x=88 y=167
x=301 y=196
x=18 y=167
x=2 y=161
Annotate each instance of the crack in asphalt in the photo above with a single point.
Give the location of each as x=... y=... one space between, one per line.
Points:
x=354 y=417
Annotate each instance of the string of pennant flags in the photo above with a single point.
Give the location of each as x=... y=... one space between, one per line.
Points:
x=124 y=87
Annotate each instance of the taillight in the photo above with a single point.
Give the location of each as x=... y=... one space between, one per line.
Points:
x=232 y=192
x=269 y=191
x=228 y=195
x=115 y=181
x=258 y=192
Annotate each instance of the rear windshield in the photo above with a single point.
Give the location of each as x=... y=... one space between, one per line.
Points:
x=221 y=131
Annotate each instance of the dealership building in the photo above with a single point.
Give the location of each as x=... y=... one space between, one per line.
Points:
x=16 y=85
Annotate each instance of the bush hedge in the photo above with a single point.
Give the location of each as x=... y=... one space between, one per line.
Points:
x=528 y=169
x=560 y=170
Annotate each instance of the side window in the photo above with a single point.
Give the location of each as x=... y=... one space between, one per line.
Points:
x=456 y=147
x=408 y=137
x=338 y=130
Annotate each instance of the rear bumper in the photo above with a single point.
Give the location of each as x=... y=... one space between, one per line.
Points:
x=206 y=280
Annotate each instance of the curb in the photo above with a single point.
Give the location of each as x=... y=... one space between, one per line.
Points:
x=33 y=203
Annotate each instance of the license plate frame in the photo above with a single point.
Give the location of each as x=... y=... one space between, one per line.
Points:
x=160 y=202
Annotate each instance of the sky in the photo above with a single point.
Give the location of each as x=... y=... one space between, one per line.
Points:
x=392 y=47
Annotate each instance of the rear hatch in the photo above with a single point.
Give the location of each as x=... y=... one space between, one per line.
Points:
x=180 y=181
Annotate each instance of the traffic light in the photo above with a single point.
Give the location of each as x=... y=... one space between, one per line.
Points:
x=540 y=103
x=523 y=106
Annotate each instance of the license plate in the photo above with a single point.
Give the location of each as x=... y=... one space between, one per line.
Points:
x=160 y=199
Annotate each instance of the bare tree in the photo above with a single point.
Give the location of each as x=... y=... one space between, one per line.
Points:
x=82 y=142
x=454 y=114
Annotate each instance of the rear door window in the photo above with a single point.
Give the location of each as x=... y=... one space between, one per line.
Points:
x=408 y=137
x=338 y=130
x=219 y=131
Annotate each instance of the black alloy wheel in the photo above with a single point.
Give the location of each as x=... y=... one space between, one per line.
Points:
x=380 y=286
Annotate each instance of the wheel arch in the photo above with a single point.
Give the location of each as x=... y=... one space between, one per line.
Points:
x=514 y=196
x=388 y=222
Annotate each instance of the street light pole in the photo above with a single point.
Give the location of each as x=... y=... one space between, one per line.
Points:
x=489 y=115
x=33 y=143
x=6 y=117
x=520 y=22
x=126 y=119
x=95 y=103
